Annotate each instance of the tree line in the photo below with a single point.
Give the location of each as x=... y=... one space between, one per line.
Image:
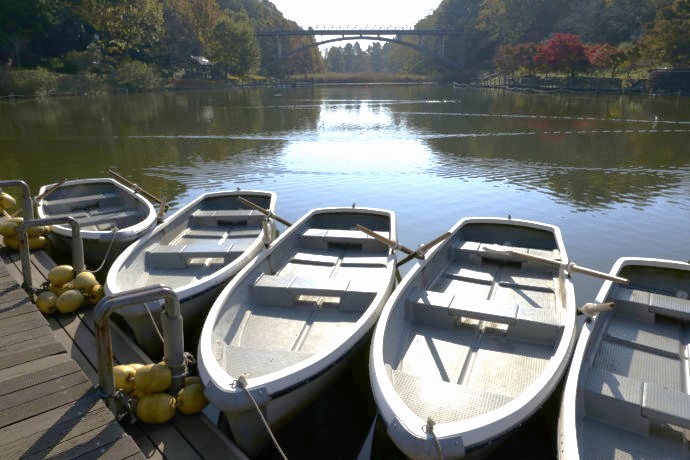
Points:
x=135 y=43
x=566 y=36
x=129 y=39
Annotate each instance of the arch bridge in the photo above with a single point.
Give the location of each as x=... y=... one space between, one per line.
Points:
x=399 y=35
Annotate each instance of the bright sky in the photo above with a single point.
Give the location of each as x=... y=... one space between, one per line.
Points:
x=355 y=13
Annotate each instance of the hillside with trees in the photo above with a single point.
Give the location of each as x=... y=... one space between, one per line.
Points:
x=49 y=45
x=135 y=45
x=557 y=36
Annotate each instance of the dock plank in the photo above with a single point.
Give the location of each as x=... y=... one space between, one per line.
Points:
x=185 y=437
x=48 y=405
x=38 y=377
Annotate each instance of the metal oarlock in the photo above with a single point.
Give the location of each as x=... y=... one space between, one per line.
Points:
x=172 y=334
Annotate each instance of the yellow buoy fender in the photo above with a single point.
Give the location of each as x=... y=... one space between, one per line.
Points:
x=8 y=228
x=40 y=230
x=153 y=378
x=38 y=242
x=46 y=302
x=61 y=274
x=69 y=301
x=191 y=399
x=123 y=375
x=7 y=201
x=84 y=281
x=95 y=294
x=156 y=408
x=191 y=379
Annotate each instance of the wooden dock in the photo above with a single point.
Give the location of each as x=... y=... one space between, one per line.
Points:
x=48 y=373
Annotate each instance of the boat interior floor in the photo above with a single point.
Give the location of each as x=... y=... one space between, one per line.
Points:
x=475 y=337
x=306 y=306
x=99 y=210
x=635 y=394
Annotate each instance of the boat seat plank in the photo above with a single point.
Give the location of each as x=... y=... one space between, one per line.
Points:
x=82 y=200
x=226 y=217
x=665 y=405
x=285 y=290
x=657 y=338
x=179 y=256
x=318 y=238
x=97 y=219
x=546 y=324
x=614 y=399
x=624 y=400
x=661 y=304
x=475 y=248
x=311 y=258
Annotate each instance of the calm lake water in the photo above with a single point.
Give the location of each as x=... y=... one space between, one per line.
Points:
x=613 y=172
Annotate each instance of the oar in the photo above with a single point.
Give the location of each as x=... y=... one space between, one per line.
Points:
x=423 y=248
x=266 y=212
x=137 y=187
x=388 y=242
x=41 y=196
x=570 y=267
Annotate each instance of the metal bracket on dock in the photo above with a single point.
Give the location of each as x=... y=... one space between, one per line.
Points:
x=77 y=245
x=27 y=201
x=173 y=337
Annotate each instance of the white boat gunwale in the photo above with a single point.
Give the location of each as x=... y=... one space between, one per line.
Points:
x=197 y=286
x=222 y=388
x=568 y=443
x=123 y=234
x=476 y=431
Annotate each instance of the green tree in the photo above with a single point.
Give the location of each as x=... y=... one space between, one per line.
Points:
x=233 y=46
x=667 y=39
x=334 y=60
x=125 y=28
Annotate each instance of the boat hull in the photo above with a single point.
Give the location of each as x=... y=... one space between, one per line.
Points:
x=250 y=433
x=626 y=391
x=291 y=321
x=196 y=251
x=474 y=340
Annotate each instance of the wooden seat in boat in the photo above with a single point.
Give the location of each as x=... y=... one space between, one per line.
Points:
x=179 y=256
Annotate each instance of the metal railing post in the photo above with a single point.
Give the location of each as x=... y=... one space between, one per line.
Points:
x=28 y=212
x=173 y=337
x=27 y=202
x=77 y=244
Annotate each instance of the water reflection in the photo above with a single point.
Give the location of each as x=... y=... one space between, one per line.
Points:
x=433 y=154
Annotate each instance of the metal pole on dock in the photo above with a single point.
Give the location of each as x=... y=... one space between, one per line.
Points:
x=172 y=334
x=77 y=244
x=27 y=202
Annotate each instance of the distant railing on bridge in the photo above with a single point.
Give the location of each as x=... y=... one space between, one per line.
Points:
x=357 y=31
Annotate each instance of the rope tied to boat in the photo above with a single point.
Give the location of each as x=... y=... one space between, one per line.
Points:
x=155 y=325
x=242 y=383
x=107 y=252
x=429 y=429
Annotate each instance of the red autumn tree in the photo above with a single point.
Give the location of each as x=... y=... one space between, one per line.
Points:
x=562 y=53
x=604 y=56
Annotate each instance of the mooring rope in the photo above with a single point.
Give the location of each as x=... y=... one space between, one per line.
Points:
x=429 y=429
x=155 y=326
x=107 y=252
x=242 y=382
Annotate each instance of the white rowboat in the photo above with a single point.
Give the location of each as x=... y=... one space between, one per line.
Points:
x=195 y=252
x=475 y=338
x=106 y=210
x=291 y=319
x=626 y=394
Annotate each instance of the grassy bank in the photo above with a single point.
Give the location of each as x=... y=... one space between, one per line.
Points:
x=41 y=82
